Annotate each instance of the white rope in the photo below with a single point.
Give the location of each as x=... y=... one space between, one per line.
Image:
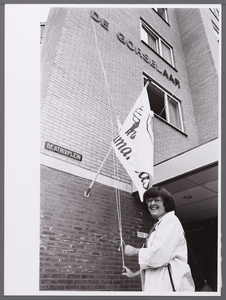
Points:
x=171 y=97
x=117 y=192
x=105 y=76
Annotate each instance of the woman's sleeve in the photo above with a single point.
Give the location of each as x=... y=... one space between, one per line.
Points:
x=168 y=236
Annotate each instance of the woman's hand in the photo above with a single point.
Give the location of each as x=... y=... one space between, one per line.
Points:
x=130 y=250
x=129 y=273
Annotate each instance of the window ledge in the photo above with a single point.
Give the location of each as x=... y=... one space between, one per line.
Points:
x=174 y=127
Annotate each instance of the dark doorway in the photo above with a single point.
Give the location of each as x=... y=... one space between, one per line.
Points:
x=202 y=252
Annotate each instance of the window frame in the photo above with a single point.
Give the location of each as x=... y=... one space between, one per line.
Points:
x=216 y=30
x=166 y=19
x=148 y=30
x=167 y=95
x=215 y=12
x=171 y=52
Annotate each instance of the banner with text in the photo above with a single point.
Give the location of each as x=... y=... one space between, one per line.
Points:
x=134 y=145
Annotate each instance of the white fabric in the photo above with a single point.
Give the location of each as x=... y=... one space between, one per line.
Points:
x=166 y=244
x=134 y=144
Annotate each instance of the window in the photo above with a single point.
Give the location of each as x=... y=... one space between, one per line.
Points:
x=152 y=41
x=164 y=105
x=162 y=12
x=216 y=30
x=166 y=52
x=156 y=43
x=216 y=13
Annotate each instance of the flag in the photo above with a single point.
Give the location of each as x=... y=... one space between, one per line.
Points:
x=134 y=144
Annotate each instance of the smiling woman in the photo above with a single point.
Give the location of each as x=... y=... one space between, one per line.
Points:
x=161 y=194
x=156 y=207
x=163 y=260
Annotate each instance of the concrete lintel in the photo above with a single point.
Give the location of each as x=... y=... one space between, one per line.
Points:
x=189 y=161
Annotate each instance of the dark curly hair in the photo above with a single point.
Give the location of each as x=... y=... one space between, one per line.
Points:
x=168 y=200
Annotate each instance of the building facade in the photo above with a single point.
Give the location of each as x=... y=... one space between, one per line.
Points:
x=94 y=64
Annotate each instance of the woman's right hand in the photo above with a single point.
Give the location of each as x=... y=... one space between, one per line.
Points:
x=130 y=274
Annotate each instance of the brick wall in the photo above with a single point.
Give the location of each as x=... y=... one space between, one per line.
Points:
x=201 y=70
x=50 y=40
x=79 y=236
x=208 y=17
x=76 y=114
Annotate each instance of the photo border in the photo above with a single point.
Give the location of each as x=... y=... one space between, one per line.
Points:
x=223 y=143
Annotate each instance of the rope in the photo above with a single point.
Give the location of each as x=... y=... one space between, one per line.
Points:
x=170 y=98
x=105 y=76
x=117 y=192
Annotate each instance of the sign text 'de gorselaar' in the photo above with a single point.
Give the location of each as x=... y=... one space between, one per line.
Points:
x=121 y=37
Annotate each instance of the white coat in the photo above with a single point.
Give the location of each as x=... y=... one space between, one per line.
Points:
x=166 y=244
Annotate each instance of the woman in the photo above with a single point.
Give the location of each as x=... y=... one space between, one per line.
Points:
x=163 y=262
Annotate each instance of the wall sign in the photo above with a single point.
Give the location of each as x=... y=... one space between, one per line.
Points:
x=142 y=235
x=98 y=19
x=63 y=151
x=135 y=49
